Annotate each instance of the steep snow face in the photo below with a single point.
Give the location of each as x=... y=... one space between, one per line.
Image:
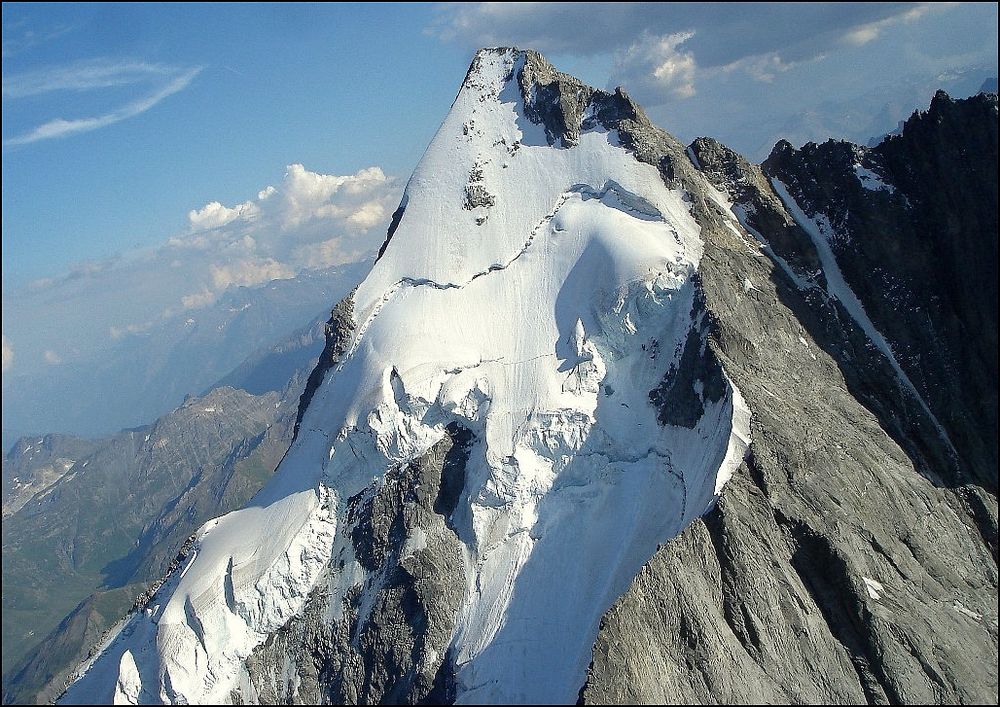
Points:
x=535 y=295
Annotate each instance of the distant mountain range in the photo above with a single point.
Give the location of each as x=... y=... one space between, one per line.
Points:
x=89 y=524
x=866 y=118
x=144 y=374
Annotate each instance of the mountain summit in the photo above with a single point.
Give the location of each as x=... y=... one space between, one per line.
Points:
x=607 y=420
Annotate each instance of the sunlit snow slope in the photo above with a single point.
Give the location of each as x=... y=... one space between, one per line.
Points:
x=534 y=295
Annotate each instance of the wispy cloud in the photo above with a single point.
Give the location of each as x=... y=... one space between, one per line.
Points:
x=85 y=76
x=865 y=33
x=92 y=76
x=79 y=271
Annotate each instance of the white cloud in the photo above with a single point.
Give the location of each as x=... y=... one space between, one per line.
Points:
x=863 y=34
x=85 y=76
x=197 y=300
x=19 y=36
x=367 y=215
x=306 y=195
x=306 y=221
x=117 y=332
x=764 y=67
x=309 y=220
x=214 y=214
x=325 y=254
x=869 y=32
x=663 y=52
x=658 y=64
x=8 y=354
x=246 y=273
x=725 y=32
x=167 y=81
x=355 y=202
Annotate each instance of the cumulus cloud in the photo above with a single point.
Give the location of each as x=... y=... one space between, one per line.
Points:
x=214 y=214
x=326 y=254
x=8 y=354
x=307 y=195
x=659 y=64
x=309 y=220
x=367 y=215
x=246 y=273
x=305 y=222
x=354 y=202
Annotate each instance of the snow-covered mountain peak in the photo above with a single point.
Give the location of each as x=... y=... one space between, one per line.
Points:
x=537 y=307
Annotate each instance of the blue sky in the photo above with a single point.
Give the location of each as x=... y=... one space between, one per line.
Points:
x=339 y=88
x=154 y=155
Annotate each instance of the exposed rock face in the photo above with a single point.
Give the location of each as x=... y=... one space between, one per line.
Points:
x=337 y=331
x=852 y=558
x=393 y=649
x=841 y=565
x=916 y=223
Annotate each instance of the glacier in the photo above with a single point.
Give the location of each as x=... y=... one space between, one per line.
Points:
x=534 y=294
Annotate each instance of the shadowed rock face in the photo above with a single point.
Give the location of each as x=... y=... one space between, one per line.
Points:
x=828 y=509
x=338 y=331
x=842 y=564
x=921 y=255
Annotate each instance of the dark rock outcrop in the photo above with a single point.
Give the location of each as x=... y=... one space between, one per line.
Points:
x=921 y=255
x=338 y=331
x=393 y=647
